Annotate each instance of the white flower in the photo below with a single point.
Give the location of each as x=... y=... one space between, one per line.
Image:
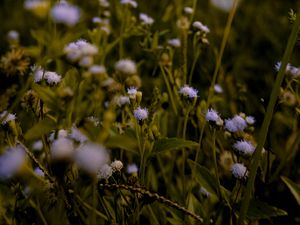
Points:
x=132 y=91
x=250 y=120
x=104 y=3
x=244 y=147
x=147 y=20
x=75 y=51
x=204 y=192
x=116 y=165
x=95 y=69
x=239 y=171
x=129 y=2
x=36 y=4
x=188 y=10
x=237 y=123
x=38 y=145
x=121 y=100
x=211 y=115
x=126 y=66
x=132 y=168
x=218 y=88
x=62 y=148
x=39 y=172
x=52 y=77
x=38 y=74
x=5 y=117
x=105 y=172
x=65 y=13
x=224 y=5
x=11 y=162
x=77 y=135
x=189 y=92
x=13 y=35
x=91 y=157
x=201 y=27
x=97 y=20
x=62 y=133
x=175 y=42
x=141 y=113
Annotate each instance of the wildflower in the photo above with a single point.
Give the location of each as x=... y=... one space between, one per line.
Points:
x=65 y=13
x=116 y=165
x=38 y=145
x=77 y=135
x=175 y=42
x=204 y=192
x=132 y=91
x=104 y=3
x=75 y=51
x=188 y=10
x=218 y=88
x=39 y=172
x=11 y=162
x=237 y=123
x=250 y=120
x=146 y=20
x=126 y=66
x=91 y=157
x=132 y=168
x=6 y=117
x=38 y=74
x=129 y=2
x=97 y=20
x=13 y=35
x=94 y=120
x=278 y=65
x=141 y=113
x=201 y=27
x=239 y=171
x=95 y=69
x=121 y=100
x=244 y=147
x=189 y=92
x=223 y=5
x=61 y=149
x=105 y=172
x=38 y=7
x=62 y=133
x=52 y=77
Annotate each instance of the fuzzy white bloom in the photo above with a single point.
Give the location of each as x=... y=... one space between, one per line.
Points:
x=121 y=100
x=250 y=120
x=37 y=146
x=129 y=2
x=132 y=91
x=104 y=3
x=224 y=5
x=188 y=10
x=146 y=20
x=211 y=115
x=105 y=172
x=116 y=165
x=244 y=147
x=204 y=192
x=11 y=162
x=91 y=157
x=77 y=135
x=189 y=92
x=96 y=69
x=109 y=81
x=36 y=4
x=39 y=172
x=13 y=35
x=141 y=113
x=65 y=13
x=78 y=49
x=52 y=77
x=6 y=117
x=175 y=42
x=97 y=20
x=62 y=133
x=237 y=123
x=291 y=70
x=239 y=171
x=132 y=168
x=126 y=66
x=218 y=88
x=201 y=27
x=62 y=148
x=38 y=74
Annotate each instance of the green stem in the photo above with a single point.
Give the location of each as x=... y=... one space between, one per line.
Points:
x=267 y=120
x=215 y=163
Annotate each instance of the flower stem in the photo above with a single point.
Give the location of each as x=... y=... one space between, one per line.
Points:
x=267 y=120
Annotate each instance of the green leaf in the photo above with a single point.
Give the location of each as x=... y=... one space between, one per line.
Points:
x=204 y=177
x=48 y=96
x=168 y=144
x=125 y=141
x=41 y=128
x=294 y=188
x=261 y=210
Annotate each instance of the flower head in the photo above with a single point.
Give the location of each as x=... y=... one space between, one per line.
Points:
x=244 y=147
x=126 y=66
x=105 y=172
x=116 y=165
x=237 y=123
x=189 y=92
x=132 y=3
x=61 y=149
x=132 y=91
x=11 y=162
x=250 y=120
x=6 y=117
x=146 y=20
x=52 y=77
x=77 y=135
x=79 y=49
x=239 y=171
x=218 y=88
x=175 y=42
x=65 y=13
x=96 y=69
x=132 y=168
x=188 y=10
x=201 y=27
x=141 y=113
